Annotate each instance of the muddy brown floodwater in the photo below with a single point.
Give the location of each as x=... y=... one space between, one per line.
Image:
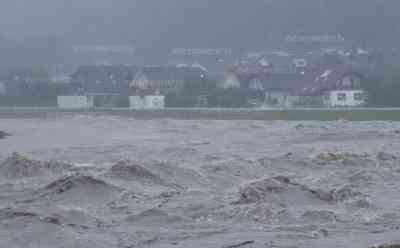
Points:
x=105 y=182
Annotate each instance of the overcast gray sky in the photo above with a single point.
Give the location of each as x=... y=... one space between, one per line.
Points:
x=198 y=23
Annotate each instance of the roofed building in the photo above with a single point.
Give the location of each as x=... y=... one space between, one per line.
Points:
x=103 y=79
x=165 y=79
x=333 y=87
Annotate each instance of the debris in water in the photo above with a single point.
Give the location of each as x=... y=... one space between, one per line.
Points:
x=344 y=193
x=258 y=190
x=387 y=246
x=4 y=135
x=129 y=170
x=9 y=213
x=262 y=190
x=321 y=216
x=20 y=166
x=322 y=233
x=240 y=244
x=336 y=195
x=154 y=216
x=66 y=184
x=383 y=156
x=288 y=155
x=329 y=157
x=77 y=189
x=198 y=143
x=332 y=157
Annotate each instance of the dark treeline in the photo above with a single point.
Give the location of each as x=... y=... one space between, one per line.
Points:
x=383 y=87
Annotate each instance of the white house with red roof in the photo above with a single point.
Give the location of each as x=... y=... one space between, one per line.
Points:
x=339 y=87
x=315 y=87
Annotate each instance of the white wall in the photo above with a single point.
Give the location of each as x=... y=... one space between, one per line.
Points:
x=147 y=102
x=230 y=81
x=156 y=102
x=75 y=102
x=136 y=102
x=349 y=101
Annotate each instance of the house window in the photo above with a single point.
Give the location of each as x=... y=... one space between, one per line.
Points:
x=358 y=96
x=327 y=97
x=341 y=97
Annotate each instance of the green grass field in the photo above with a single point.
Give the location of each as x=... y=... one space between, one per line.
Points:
x=217 y=114
x=327 y=115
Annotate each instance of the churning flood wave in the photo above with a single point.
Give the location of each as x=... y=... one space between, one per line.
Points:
x=107 y=182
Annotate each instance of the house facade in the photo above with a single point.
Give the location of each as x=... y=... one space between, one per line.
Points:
x=311 y=87
x=103 y=79
x=280 y=99
x=75 y=102
x=279 y=89
x=147 y=102
x=345 y=98
x=137 y=87
x=164 y=79
x=229 y=81
x=339 y=87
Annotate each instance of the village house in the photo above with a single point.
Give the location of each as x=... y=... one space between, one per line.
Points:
x=279 y=89
x=154 y=101
x=313 y=87
x=23 y=81
x=261 y=66
x=103 y=79
x=165 y=79
x=99 y=86
x=214 y=61
x=229 y=80
x=141 y=87
x=339 y=87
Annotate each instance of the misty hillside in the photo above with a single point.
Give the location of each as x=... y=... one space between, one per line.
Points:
x=200 y=23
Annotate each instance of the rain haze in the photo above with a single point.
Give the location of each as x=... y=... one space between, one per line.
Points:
x=193 y=22
x=199 y=123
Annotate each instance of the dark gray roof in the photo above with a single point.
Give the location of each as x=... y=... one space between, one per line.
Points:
x=173 y=73
x=314 y=81
x=329 y=79
x=104 y=79
x=105 y=73
x=282 y=82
